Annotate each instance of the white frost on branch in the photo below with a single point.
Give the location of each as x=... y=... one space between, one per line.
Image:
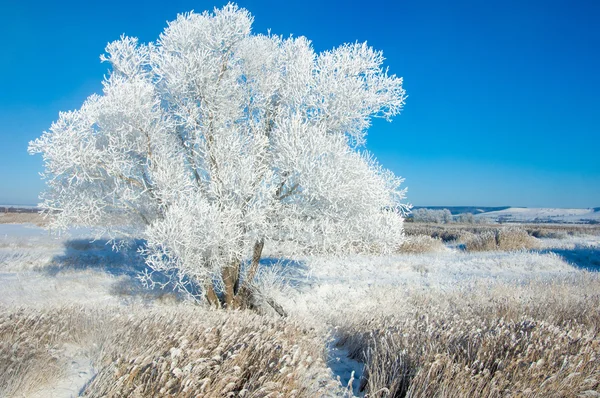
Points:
x=213 y=139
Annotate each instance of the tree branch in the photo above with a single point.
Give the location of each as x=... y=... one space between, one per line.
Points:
x=290 y=192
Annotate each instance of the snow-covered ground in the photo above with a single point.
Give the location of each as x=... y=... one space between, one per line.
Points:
x=40 y=270
x=547 y=215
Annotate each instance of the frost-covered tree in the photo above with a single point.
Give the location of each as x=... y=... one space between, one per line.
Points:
x=442 y=216
x=447 y=216
x=212 y=141
x=466 y=218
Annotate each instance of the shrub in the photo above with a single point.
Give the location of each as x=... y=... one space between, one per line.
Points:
x=485 y=241
x=515 y=239
x=421 y=244
x=505 y=239
x=466 y=218
x=442 y=216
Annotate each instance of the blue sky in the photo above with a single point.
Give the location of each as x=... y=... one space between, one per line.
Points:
x=504 y=96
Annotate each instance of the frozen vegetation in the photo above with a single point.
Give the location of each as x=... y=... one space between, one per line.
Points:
x=72 y=310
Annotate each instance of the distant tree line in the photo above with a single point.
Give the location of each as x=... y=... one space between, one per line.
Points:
x=11 y=209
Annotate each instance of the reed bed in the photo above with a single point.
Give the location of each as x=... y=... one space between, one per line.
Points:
x=535 y=339
x=171 y=351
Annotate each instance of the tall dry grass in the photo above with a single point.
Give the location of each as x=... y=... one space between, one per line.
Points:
x=460 y=233
x=179 y=351
x=20 y=218
x=221 y=354
x=421 y=244
x=537 y=339
x=427 y=238
x=32 y=343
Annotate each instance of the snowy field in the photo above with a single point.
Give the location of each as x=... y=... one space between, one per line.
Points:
x=39 y=272
x=40 y=269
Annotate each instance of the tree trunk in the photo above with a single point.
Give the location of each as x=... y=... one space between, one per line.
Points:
x=212 y=297
x=243 y=293
x=256 y=255
x=231 y=275
x=236 y=295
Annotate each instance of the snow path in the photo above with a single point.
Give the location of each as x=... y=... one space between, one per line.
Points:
x=79 y=372
x=345 y=368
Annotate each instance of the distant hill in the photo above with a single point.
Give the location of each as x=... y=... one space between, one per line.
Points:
x=525 y=214
x=464 y=209
x=543 y=215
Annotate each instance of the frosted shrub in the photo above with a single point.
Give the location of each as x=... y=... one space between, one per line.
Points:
x=212 y=140
x=505 y=239
x=485 y=241
x=466 y=218
x=515 y=239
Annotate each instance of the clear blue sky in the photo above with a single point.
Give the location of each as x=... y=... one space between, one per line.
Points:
x=504 y=96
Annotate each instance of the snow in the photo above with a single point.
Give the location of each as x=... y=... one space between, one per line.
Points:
x=21 y=230
x=39 y=269
x=344 y=368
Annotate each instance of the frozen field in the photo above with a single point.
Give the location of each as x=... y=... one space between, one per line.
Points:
x=39 y=272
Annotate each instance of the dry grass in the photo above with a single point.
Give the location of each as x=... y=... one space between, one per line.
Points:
x=421 y=244
x=533 y=340
x=505 y=239
x=26 y=359
x=550 y=233
x=20 y=218
x=32 y=341
x=512 y=238
x=561 y=231
x=485 y=241
x=223 y=354
x=166 y=351
x=475 y=237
